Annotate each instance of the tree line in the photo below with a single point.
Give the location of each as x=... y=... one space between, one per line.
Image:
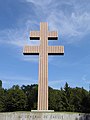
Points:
x=24 y=98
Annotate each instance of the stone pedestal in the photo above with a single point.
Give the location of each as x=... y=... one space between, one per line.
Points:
x=43 y=116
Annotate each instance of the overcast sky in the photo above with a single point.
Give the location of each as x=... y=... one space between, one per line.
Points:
x=71 y=18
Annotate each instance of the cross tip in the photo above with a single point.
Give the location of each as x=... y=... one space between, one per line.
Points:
x=43 y=23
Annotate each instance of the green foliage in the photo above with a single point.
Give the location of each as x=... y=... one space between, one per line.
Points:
x=86 y=103
x=32 y=95
x=16 y=99
x=2 y=100
x=0 y=84
x=52 y=99
x=25 y=99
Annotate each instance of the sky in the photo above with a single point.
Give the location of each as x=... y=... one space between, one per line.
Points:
x=71 y=18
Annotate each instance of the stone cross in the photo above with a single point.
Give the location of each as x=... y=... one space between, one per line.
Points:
x=43 y=50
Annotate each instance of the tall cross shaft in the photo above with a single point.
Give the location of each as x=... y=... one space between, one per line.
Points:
x=43 y=51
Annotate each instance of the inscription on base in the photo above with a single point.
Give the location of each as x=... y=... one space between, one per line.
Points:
x=38 y=117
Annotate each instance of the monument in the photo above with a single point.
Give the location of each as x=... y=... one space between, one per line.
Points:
x=43 y=50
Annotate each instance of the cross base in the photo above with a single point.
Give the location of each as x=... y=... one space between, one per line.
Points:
x=44 y=111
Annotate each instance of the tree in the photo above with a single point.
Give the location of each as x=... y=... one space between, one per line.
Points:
x=67 y=98
x=0 y=84
x=85 y=104
x=2 y=100
x=52 y=99
x=32 y=95
x=59 y=101
x=16 y=99
x=25 y=98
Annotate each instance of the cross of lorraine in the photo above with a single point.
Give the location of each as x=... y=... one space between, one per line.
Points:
x=43 y=50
